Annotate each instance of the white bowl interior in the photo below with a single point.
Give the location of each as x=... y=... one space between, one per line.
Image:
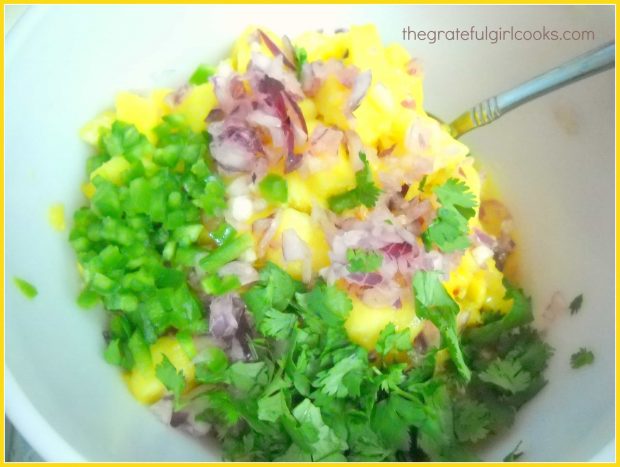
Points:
x=553 y=159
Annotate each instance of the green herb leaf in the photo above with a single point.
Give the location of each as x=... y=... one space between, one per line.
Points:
x=581 y=358
x=520 y=314
x=270 y=408
x=344 y=379
x=515 y=454
x=25 y=287
x=449 y=230
x=575 y=305
x=433 y=302
x=508 y=375
x=391 y=341
x=321 y=439
x=471 y=421
x=365 y=192
x=172 y=379
x=363 y=260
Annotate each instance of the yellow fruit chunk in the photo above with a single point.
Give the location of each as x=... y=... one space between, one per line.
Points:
x=364 y=323
x=320 y=46
x=337 y=177
x=112 y=170
x=309 y=231
x=143 y=112
x=92 y=130
x=56 y=216
x=144 y=385
x=196 y=105
x=366 y=51
x=330 y=102
x=373 y=118
x=309 y=110
x=477 y=288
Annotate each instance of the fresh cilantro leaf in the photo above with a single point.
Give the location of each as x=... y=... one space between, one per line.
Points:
x=172 y=379
x=581 y=358
x=471 y=421
x=249 y=376
x=274 y=290
x=277 y=324
x=363 y=260
x=270 y=407
x=388 y=421
x=394 y=377
x=515 y=454
x=436 y=428
x=364 y=444
x=279 y=284
x=508 y=375
x=455 y=193
x=520 y=314
x=365 y=192
x=345 y=377
x=328 y=302
x=211 y=366
x=433 y=302
x=222 y=407
x=301 y=57
x=391 y=341
x=315 y=433
x=449 y=230
x=25 y=287
x=530 y=351
x=294 y=454
x=575 y=305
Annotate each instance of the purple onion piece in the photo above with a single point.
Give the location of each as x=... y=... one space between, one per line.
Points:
x=275 y=50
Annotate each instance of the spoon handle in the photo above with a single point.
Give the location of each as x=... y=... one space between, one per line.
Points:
x=491 y=109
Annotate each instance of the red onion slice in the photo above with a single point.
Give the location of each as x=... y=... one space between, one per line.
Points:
x=296 y=112
x=360 y=88
x=275 y=50
x=293 y=247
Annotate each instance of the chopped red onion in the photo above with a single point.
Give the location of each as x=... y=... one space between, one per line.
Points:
x=360 y=88
x=242 y=270
x=224 y=315
x=293 y=247
x=275 y=50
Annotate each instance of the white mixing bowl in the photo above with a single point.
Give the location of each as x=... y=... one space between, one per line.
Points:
x=554 y=160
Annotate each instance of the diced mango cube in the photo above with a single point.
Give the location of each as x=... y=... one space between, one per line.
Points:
x=196 y=105
x=310 y=232
x=365 y=323
x=145 y=386
x=143 y=112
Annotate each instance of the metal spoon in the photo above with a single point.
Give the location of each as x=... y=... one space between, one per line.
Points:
x=489 y=110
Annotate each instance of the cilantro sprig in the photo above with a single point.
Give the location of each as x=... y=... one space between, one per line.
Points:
x=581 y=358
x=449 y=230
x=365 y=192
x=575 y=304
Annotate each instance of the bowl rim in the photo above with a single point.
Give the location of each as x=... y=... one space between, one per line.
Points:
x=22 y=413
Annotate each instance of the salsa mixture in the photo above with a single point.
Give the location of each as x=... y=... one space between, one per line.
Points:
x=296 y=259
